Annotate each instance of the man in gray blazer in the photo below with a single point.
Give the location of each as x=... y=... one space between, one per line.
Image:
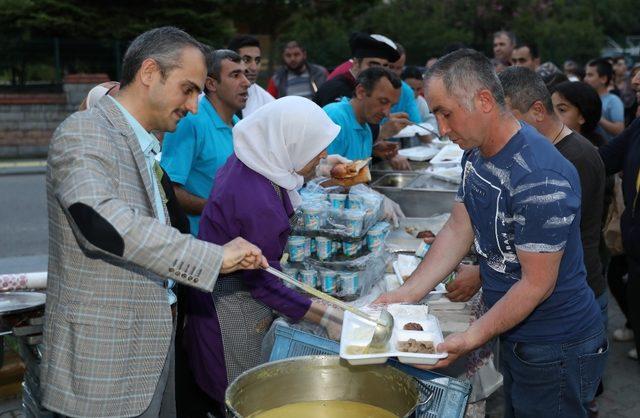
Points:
x=108 y=324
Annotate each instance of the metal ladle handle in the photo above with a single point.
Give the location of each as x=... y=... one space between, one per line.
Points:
x=315 y=292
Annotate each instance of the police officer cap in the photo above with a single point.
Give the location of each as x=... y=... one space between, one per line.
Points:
x=364 y=45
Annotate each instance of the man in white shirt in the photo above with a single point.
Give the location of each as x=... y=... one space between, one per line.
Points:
x=248 y=47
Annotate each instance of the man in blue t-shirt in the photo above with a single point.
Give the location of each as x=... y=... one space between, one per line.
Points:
x=203 y=141
x=598 y=74
x=519 y=205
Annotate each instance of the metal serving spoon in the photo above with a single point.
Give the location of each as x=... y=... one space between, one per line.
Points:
x=384 y=325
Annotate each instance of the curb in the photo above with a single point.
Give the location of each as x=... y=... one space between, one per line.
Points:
x=23 y=167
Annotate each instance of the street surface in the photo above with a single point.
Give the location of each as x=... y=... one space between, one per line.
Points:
x=23 y=223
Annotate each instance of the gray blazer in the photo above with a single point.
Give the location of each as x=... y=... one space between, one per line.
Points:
x=107 y=319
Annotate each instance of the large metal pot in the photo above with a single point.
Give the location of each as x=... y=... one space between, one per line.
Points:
x=321 y=378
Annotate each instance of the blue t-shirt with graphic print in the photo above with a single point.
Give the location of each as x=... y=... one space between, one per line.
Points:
x=527 y=198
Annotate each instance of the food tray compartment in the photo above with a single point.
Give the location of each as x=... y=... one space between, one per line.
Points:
x=419 y=153
x=449 y=155
x=357 y=331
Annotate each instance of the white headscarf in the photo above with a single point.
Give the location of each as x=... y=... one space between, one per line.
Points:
x=95 y=94
x=282 y=137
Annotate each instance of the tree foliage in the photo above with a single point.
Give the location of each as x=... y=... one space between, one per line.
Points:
x=112 y=19
x=561 y=28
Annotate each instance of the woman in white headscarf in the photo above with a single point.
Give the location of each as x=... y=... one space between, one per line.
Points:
x=254 y=197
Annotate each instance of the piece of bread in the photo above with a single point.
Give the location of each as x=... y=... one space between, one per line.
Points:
x=363 y=176
x=348 y=170
x=347 y=175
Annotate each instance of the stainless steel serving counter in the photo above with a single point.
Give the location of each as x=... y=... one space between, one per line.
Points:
x=417 y=193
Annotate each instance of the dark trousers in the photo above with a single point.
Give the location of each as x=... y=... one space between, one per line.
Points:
x=633 y=297
x=617 y=269
x=191 y=401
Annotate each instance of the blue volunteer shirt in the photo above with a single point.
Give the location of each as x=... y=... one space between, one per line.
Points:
x=407 y=103
x=192 y=154
x=355 y=140
x=612 y=110
x=527 y=198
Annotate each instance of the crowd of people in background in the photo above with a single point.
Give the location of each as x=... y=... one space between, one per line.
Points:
x=234 y=138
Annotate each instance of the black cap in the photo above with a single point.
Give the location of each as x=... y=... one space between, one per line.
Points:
x=364 y=45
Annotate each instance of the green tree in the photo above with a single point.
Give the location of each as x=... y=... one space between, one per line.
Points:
x=94 y=34
x=323 y=27
x=425 y=28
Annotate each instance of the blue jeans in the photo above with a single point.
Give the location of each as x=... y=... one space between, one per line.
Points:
x=552 y=380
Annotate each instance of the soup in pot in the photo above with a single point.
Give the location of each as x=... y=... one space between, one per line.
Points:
x=325 y=409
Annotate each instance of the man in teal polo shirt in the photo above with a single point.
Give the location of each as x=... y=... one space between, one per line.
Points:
x=377 y=90
x=201 y=144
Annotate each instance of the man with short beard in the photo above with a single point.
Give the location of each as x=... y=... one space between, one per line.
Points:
x=248 y=47
x=296 y=77
x=202 y=142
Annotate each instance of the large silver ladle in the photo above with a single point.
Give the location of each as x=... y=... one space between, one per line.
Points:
x=384 y=325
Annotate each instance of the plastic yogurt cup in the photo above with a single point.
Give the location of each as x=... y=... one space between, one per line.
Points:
x=375 y=239
x=349 y=282
x=313 y=245
x=422 y=249
x=329 y=281
x=296 y=246
x=372 y=202
x=356 y=201
x=324 y=248
x=354 y=219
x=290 y=271
x=314 y=197
x=307 y=247
x=381 y=226
x=309 y=277
x=338 y=200
x=312 y=216
x=350 y=248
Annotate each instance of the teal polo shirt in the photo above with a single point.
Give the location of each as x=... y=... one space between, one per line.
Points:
x=355 y=140
x=192 y=154
x=407 y=103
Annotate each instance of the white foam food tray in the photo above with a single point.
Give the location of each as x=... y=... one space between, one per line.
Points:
x=357 y=332
x=442 y=142
x=449 y=155
x=420 y=153
x=405 y=265
x=413 y=130
x=451 y=174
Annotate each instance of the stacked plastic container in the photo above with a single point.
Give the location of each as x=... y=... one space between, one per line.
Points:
x=336 y=241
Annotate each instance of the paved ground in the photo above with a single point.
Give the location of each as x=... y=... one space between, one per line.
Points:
x=23 y=223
